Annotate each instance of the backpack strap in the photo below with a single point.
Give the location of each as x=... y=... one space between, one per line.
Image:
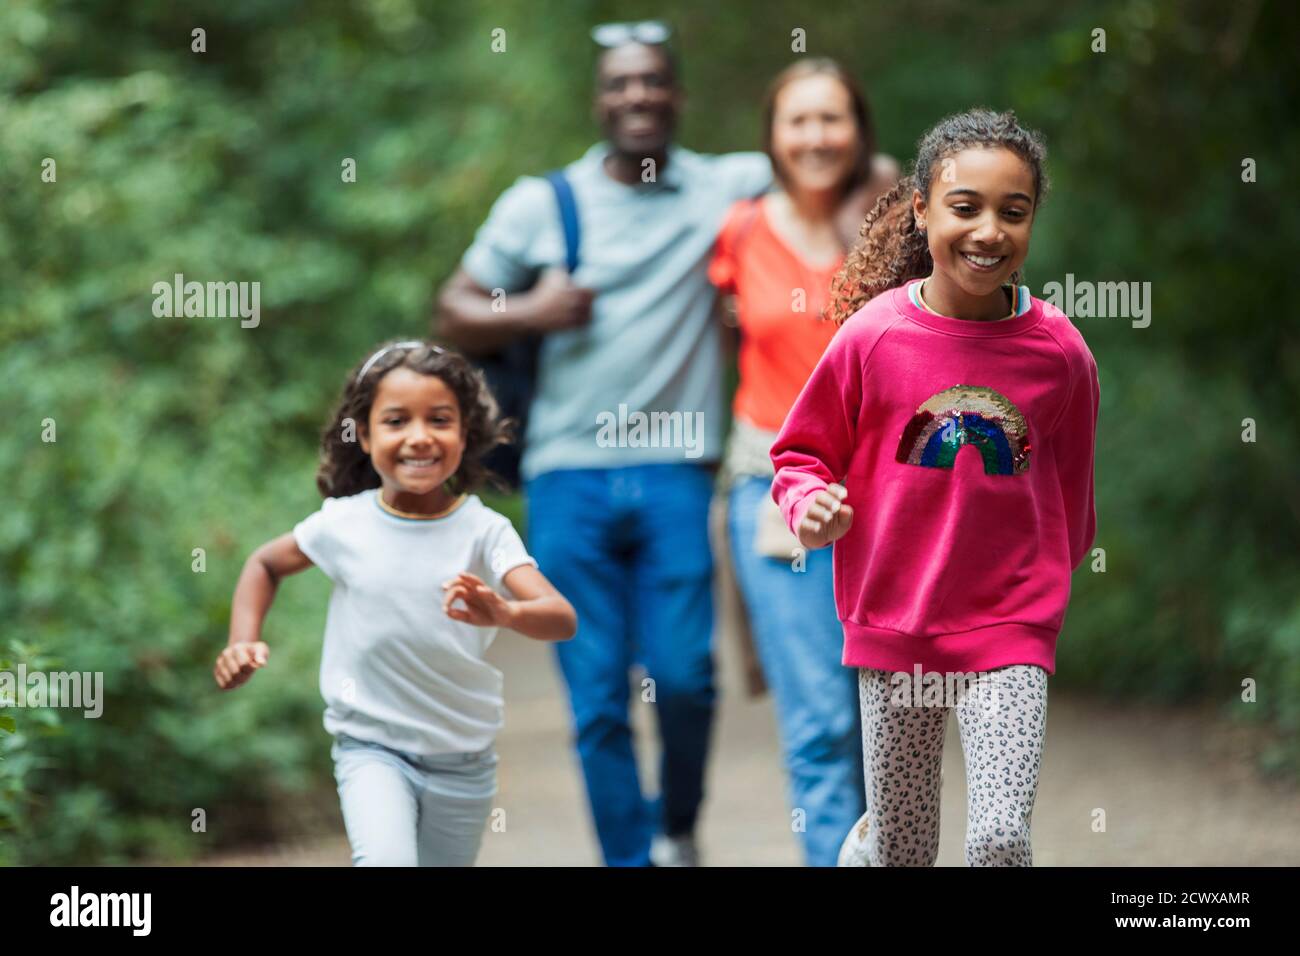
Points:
x=568 y=216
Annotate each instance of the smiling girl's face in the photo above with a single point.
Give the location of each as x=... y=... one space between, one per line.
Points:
x=977 y=220
x=415 y=439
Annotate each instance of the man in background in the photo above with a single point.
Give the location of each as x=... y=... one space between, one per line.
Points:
x=618 y=517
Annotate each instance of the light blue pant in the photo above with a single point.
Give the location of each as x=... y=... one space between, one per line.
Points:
x=407 y=810
x=800 y=643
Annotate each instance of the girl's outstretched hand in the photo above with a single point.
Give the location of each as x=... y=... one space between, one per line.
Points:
x=828 y=518
x=237 y=663
x=483 y=606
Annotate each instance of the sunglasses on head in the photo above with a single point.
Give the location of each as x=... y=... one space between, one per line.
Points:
x=651 y=32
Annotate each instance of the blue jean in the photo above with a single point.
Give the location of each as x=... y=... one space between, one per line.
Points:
x=800 y=641
x=629 y=548
x=403 y=809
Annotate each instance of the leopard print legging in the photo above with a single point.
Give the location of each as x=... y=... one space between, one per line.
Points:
x=1002 y=722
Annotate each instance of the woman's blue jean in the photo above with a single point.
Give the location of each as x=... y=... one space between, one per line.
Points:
x=800 y=643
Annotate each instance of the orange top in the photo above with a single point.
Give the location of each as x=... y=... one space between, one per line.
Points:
x=779 y=300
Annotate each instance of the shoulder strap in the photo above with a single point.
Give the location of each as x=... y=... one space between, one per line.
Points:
x=568 y=216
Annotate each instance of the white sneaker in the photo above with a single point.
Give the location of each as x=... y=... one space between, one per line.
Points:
x=853 y=851
x=674 y=851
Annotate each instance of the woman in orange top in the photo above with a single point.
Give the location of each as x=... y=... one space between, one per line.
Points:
x=777 y=255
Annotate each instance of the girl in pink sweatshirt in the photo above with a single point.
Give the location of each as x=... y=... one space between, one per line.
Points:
x=945 y=444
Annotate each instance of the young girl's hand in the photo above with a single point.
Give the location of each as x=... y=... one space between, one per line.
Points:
x=483 y=606
x=828 y=518
x=237 y=663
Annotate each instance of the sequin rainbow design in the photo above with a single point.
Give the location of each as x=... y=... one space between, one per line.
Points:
x=967 y=415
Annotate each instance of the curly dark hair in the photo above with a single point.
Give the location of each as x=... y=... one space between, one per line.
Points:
x=345 y=469
x=890 y=249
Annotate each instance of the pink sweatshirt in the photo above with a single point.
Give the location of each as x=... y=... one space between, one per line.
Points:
x=958 y=559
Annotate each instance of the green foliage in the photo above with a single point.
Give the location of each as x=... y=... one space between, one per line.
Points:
x=20 y=730
x=177 y=434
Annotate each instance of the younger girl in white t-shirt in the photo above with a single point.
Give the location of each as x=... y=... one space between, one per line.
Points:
x=418 y=565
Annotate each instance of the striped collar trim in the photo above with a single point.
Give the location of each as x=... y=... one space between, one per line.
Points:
x=1021 y=299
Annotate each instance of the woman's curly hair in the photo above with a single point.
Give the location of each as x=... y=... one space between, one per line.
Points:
x=890 y=249
x=345 y=469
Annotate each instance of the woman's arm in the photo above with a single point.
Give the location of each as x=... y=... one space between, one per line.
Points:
x=245 y=652
x=537 y=611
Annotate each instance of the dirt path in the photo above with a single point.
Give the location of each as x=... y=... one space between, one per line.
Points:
x=1175 y=789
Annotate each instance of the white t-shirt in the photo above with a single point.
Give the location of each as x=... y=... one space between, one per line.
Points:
x=396 y=670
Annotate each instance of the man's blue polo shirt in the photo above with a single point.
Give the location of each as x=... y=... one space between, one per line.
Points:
x=653 y=344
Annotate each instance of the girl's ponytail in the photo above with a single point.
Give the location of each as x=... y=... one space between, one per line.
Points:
x=889 y=251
